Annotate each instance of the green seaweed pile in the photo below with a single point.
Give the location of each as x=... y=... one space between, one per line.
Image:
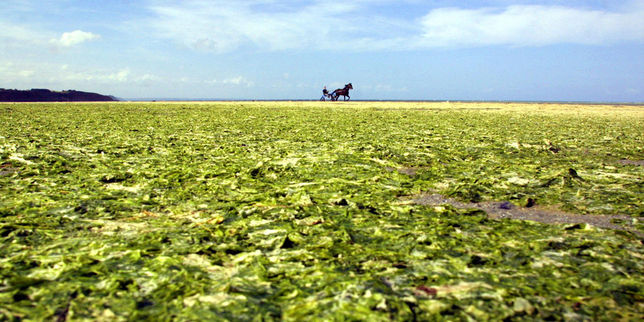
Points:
x=293 y=211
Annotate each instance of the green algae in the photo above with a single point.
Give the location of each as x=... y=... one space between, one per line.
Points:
x=251 y=211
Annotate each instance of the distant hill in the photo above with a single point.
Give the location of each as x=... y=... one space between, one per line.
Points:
x=45 y=95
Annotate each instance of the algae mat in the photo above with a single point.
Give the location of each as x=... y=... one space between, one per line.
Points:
x=301 y=210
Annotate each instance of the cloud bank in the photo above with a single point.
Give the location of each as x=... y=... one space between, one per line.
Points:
x=529 y=25
x=224 y=26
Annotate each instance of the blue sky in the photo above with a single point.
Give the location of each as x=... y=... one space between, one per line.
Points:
x=285 y=49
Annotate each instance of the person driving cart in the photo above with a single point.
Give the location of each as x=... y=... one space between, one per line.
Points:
x=325 y=94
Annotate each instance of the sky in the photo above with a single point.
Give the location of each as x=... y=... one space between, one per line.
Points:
x=547 y=50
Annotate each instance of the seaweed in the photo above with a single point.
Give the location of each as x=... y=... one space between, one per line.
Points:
x=297 y=210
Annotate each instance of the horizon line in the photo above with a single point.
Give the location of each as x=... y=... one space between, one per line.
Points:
x=172 y=99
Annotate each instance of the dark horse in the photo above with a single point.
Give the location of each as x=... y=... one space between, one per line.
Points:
x=342 y=92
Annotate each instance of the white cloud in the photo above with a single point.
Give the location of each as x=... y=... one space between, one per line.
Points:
x=10 y=72
x=530 y=25
x=14 y=34
x=26 y=73
x=237 y=81
x=223 y=26
x=148 y=78
x=75 y=37
x=46 y=74
x=120 y=76
x=65 y=74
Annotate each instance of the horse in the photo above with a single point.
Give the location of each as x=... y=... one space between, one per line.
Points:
x=342 y=92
